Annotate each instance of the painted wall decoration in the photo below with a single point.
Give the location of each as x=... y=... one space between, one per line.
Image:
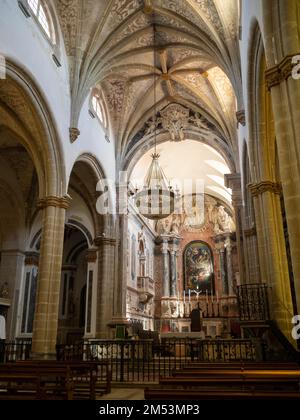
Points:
x=198 y=267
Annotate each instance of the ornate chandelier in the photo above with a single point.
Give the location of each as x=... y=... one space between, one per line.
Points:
x=157 y=199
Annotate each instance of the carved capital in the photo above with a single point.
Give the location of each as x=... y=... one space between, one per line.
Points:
x=103 y=240
x=264 y=186
x=52 y=201
x=282 y=71
x=74 y=134
x=250 y=232
x=233 y=181
x=91 y=255
x=241 y=117
x=32 y=258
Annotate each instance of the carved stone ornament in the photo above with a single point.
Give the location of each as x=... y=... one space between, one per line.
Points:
x=264 y=186
x=74 y=134
x=175 y=118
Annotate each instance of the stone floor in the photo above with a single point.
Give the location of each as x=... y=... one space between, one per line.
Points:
x=124 y=394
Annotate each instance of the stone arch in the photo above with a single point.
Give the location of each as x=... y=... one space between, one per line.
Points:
x=25 y=111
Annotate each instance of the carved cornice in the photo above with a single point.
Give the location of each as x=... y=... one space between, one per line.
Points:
x=74 y=134
x=32 y=258
x=233 y=181
x=102 y=240
x=282 y=71
x=241 y=117
x=250 y=232
x=53 y=201
x=264 y=186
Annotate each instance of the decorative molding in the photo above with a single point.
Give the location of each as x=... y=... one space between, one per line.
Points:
x=74 y=134
x=91 y=255
x=241 y=117
x=264 y=186
x=233 y=181
x=282 y=71
x=52 y=201
x=250 y=232
x=32 y=258
x=102 y=240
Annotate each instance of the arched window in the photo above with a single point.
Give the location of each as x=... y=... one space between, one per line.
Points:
x=43 y=17
x=98 y=108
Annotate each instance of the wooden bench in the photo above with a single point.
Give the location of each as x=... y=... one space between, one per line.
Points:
x=91 y=379
x=35 y=383
x=191 y=394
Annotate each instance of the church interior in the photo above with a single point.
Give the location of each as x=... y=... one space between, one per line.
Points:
x=150 y=198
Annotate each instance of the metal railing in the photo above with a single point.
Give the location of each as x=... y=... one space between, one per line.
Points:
x=227 y=350
x=147 y=360
x=253 y=302
x=17 y=350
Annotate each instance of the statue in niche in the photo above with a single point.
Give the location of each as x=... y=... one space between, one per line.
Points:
x=165 y=309
x=222 y=221
x=174 y=309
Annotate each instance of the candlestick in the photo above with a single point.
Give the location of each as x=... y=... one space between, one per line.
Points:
x=189 y=295
x=184 y=296
x=206 y=296
x=217 y=297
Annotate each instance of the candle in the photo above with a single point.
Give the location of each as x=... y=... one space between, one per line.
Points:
x=217 y=297
x=189 y=295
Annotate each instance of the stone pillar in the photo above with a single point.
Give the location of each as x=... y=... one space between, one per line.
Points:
x=281 y=45
x=47 y=301
x=11 y=272
x=224 y=280
x=230 y=279
x=91 y=292
x=166 y=265
x=173 y=286
x=251 y=255
x=109 y=298
x=266 y=197
x=233 y=181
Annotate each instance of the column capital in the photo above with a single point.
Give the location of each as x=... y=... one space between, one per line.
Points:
x=264 y=186
x=241 y=117
x=233 y=181
x=54 y=201
x=282 y=71
x=91 y=255
x=32 y=258
x=250 y=232
x=103 y=240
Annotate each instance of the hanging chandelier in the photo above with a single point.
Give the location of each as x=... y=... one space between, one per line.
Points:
x=157 y=199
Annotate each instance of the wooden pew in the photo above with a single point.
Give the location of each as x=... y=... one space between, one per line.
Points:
x=21 y=382
x=91 y=379
x=192 y=394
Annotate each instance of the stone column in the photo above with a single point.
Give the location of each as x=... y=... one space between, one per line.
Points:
x=282 y=44
x=221 y=250
x=109 y=298
x=49 y=277
x=173 y=286
x=266 y=197
x=230 y=279
x=233 y=181
x=166 y=265
x=11 y=272
x=91 y=291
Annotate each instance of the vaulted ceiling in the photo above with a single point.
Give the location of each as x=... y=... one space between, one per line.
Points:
x=186 y=49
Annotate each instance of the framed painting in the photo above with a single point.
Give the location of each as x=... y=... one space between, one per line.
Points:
x=198 y=268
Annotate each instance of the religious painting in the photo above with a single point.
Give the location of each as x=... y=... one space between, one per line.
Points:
x=198 y=268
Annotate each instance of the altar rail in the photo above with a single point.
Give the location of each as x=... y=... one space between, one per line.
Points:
x=144 y=360
x=147 y=361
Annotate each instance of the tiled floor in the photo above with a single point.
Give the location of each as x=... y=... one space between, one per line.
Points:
x=124 y=394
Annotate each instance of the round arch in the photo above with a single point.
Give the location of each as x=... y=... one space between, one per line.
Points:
x=24 y=110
